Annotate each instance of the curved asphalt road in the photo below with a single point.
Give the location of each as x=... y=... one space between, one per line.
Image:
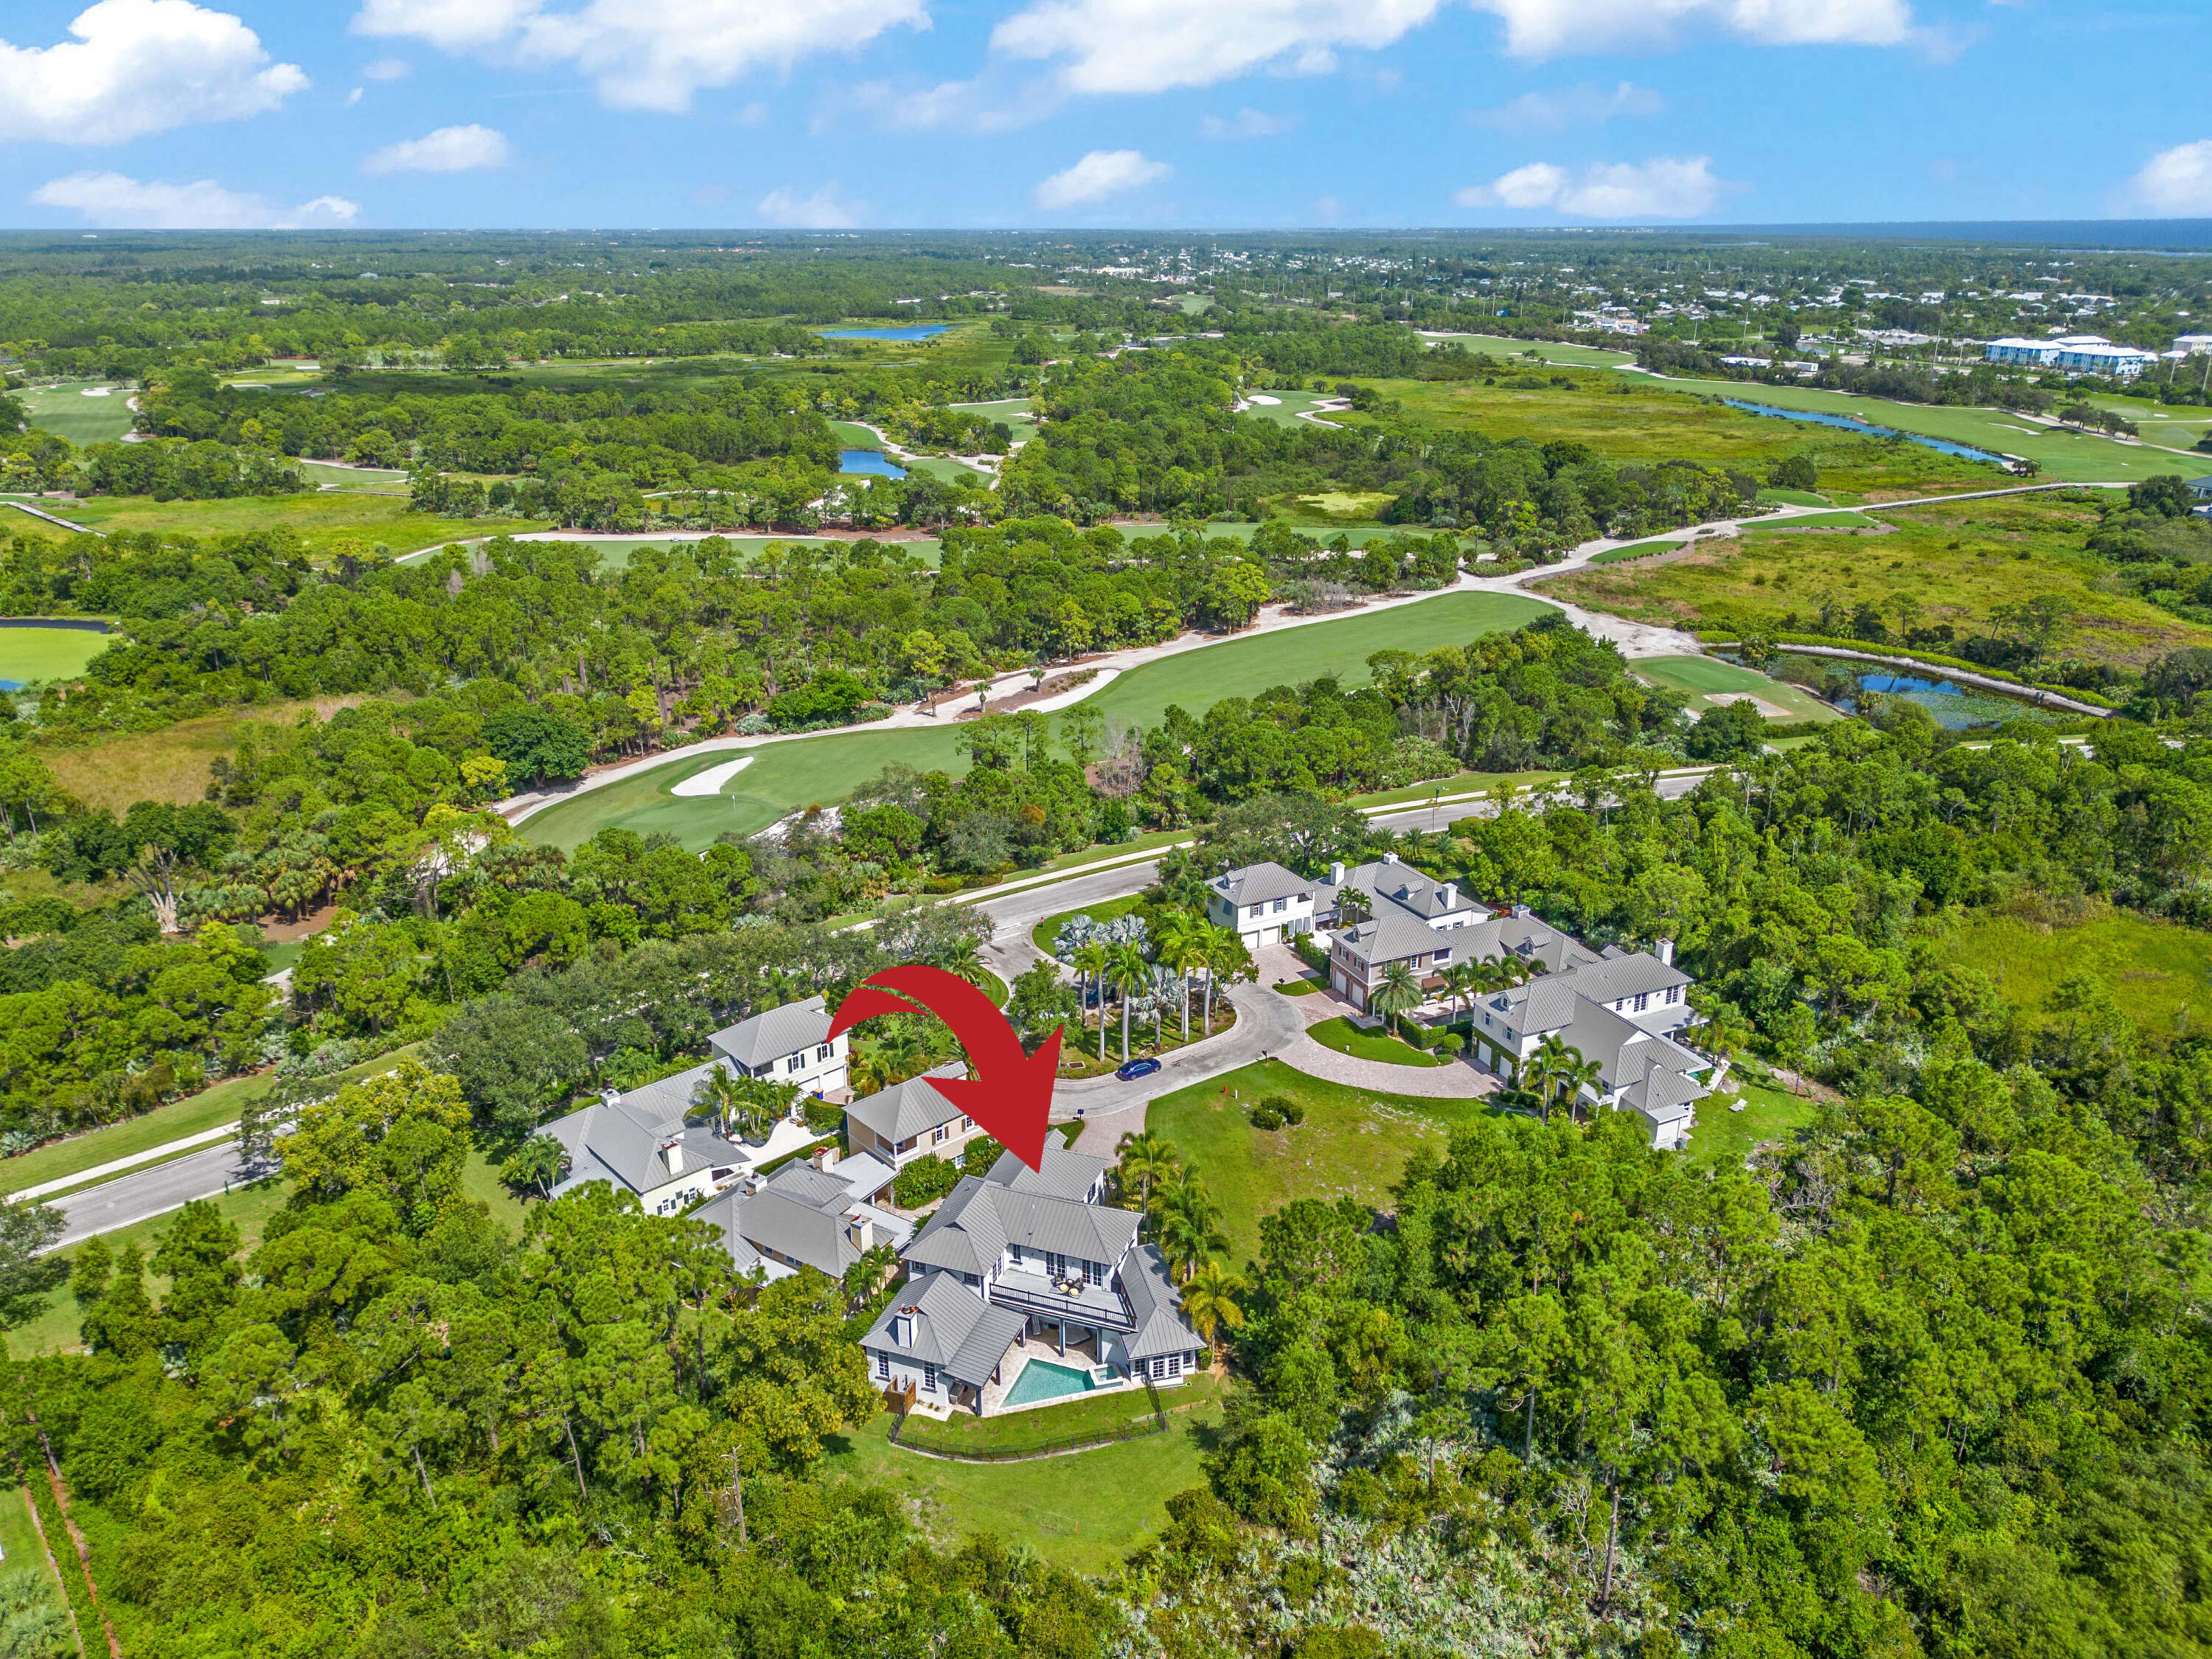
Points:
x=1267 y=1023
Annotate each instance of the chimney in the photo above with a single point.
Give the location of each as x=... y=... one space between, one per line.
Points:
x=864 y=1234
x=671 y=1154
x=1667 y=951
x=1522 y=910
x=1336 y=874
x=1450 y=895
x=1389 y=857
x=825 y=1157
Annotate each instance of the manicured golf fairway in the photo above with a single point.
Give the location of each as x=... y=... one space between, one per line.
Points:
x=1552 y=351
x=788 y=777
x=1199 y=679
x=1704 y=676
x=28 y=655
x=68 y=412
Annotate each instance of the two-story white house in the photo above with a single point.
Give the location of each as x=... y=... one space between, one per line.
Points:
x=909 y=1119
x=1019 y=1255
x=1415 y=919
x=789 y=1045
x=660 y=1141
x=1262 y=903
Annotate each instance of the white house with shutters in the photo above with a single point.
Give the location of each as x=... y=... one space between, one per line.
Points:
x=1262 y=903
x=909 y=1119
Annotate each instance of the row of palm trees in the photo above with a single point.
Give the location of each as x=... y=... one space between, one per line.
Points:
x=1181 y=1217
x=1183 y=947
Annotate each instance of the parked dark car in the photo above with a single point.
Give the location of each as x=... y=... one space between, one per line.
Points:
x=1131 y=1069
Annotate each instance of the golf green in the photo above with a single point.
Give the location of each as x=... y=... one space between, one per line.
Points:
x=31 y=655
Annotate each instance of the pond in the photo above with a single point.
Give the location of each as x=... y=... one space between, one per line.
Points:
x=1954 y=707
x=873 y=462
x=911 y=331
x=1845 y=422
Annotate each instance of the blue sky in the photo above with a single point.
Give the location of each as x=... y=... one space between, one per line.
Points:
x=1229 y=113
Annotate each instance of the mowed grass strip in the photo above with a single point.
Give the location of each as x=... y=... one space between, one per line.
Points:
x=1353 y=1143
x=321 y=519
x=1958 y=562
x=1704 y=677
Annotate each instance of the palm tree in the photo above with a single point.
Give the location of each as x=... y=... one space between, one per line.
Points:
x=1226 y=959
x=1092 y=962
x=1209 y=1300
x=1146 y=1160
x=1178 y=946
x=1546 y=1069
x=1399 y=993
x=1463 y=983
x=1130 y=974
x=1186 y=1222
x=539 y=1162
x=717 y=1095
x=962 y=958
x=1508 y=971
x=1574 y=1074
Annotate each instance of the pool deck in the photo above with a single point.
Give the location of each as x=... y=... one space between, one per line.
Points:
x=1079 y=1357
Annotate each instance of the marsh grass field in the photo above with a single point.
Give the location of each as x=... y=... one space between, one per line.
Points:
x=1958 y=561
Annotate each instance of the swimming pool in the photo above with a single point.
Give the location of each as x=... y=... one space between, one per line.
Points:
x=1042 y=1380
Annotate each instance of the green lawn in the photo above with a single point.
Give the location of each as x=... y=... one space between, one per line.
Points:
x=1289 y=406
x=1795 y=497
x=2160 y=972
x=364 y=480
x=191 y=1115
x=853 y=435
x=1085 y=1511
x=1958 y=562
x=321 y=519
x=31 y=655
x=1353 y=1142
x=786 y=777
x=1723 y=1138
x=1827 y=521
x=1341 y=1035
x=66 y=412
x=1704 y=676
x=1102 y=1413
x=20 y=1539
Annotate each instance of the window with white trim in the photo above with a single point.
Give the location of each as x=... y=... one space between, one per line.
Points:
x=822 y=1051
x=796 y=1063
x=1281 y=905
x=939 y=1133
x=1643 y=1000
x=928 y=1378
x=882 y=1368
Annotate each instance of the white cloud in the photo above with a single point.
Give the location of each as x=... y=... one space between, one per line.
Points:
x=1555 y=112
x=449 y=149
x=957 y=105
x=386 y=69
x=1245 y=124
x=1102 y=174
x=2177 y=181
x=1664 y=187
x=642 y=54
x=1149 y=46
x=113 y=199
x=354 y=97
x=1553 y=28
x=136 y=67
x=820 y=211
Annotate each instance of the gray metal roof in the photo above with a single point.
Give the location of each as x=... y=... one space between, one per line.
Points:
x=803 y=1215
x=619 y=1141
x=1153 y=1299
x=775 y=1033
x=1062 y=1173
x=907 y=1108
x=1402 y=885
x=980 y=1220
x=1258 y=884
x=1636 y=973
x=1392 y=934
x=954 y=1329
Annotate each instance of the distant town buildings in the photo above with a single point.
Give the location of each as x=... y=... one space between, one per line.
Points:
x=2073 y=354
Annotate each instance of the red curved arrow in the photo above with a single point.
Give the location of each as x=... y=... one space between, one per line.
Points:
x=1007 y=1092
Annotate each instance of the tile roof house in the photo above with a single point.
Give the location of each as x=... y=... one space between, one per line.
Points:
x=909 y=1120
x=805 y=1216
x=1037 y=1249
